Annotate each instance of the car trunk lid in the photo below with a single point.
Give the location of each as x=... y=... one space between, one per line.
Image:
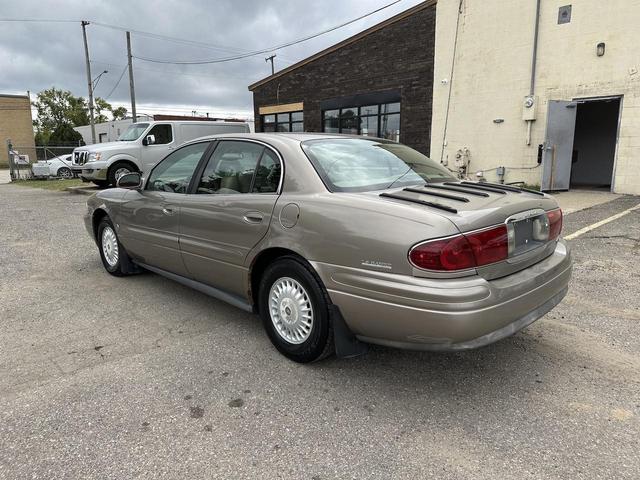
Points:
x=474 y=206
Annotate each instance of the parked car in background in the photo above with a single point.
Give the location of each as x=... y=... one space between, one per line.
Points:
x=60 y=166
x=335 y=238
x=141 y=146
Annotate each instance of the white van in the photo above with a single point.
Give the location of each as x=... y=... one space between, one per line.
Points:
x=141 y=146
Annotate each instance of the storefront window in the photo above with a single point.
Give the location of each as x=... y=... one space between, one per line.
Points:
x=381 y=120
x=283 y=122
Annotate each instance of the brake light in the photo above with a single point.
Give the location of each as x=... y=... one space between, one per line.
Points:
x=555 y=223
x=462 y=252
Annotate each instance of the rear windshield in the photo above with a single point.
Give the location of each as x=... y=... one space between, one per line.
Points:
x=361 y=165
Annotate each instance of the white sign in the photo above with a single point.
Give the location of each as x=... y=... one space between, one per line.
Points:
x=19 y=159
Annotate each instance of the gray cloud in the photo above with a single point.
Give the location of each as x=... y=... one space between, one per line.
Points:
x=36 y=56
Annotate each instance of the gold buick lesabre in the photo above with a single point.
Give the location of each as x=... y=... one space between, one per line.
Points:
x=339 y=241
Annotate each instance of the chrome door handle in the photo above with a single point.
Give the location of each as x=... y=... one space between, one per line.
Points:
x=167 y=211
x=253 y=217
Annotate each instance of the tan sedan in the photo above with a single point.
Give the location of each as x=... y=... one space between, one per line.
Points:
x=337 y=241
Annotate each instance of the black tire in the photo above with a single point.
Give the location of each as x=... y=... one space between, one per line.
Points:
x=319 y=341
x=64 y=172
x=118 y=169
x=123 y=266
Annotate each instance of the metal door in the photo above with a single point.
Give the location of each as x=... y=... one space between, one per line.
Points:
x=558 y=145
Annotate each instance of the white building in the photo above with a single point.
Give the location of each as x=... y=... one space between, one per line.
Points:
x=583 y=122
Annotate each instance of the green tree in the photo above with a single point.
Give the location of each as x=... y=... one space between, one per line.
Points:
x=58 y=111
x=119 y=113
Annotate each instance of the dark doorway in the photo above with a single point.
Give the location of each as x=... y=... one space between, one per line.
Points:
x=594 y=143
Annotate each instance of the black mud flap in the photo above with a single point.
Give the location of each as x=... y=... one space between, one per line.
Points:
x=346 y=343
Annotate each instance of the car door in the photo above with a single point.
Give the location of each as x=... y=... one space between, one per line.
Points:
x=149 y=219
x=164 y=141
x=229 y=211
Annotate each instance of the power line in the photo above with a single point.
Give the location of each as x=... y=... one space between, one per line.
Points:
x=244 y=54
x=117 y=83
x=266 y=50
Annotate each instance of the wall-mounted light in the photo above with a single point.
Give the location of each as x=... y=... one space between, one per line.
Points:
x=600 y=49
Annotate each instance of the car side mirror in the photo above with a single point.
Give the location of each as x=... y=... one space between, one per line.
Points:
x=149 y=140
x=131 y=180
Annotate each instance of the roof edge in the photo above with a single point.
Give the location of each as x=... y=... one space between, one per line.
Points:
x=347 y=41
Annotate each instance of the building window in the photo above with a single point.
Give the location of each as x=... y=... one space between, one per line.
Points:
x=283 y=122
x=382 y=120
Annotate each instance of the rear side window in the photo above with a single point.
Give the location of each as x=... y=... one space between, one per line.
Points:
x=231 y=168
x=362 y=165
x=162 y=133
x=268 y=173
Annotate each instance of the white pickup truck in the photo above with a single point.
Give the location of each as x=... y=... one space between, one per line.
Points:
x=141 y=146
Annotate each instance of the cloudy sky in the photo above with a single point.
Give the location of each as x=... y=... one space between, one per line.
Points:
x=35 y=56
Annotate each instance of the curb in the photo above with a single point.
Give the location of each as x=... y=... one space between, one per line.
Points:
x=82 y=190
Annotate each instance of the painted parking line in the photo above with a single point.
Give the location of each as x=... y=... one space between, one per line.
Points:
x=593 y=226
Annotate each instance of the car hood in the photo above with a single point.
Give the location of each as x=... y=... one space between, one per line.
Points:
x=106 y=147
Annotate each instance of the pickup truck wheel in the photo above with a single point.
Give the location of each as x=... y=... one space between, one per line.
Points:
x=114 y=257
x=117 y=170
x=293 y=306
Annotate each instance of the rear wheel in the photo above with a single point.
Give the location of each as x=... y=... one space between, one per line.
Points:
x=65 y=172
x=293 y=306
x=114 y=257
x=117 y=170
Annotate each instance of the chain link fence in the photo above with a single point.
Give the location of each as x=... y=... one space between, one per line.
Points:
x=22 y=159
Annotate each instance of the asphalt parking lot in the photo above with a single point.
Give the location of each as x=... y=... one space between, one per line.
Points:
x=142 y=378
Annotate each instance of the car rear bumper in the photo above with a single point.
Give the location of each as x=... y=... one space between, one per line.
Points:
x=445 y=314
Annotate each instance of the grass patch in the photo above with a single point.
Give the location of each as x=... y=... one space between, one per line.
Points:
x=55 y=185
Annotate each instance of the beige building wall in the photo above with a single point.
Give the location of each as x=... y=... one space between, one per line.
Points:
x=492 y=77
x=16 y=124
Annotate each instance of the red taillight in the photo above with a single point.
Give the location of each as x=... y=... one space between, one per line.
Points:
x=555 y=223
x=452 y=253
x=490 y=246
x=462 y=252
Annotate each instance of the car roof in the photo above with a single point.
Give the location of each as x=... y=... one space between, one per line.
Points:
x=297 y=137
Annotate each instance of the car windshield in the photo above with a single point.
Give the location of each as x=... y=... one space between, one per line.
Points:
x=133 y=132
x=362 y=165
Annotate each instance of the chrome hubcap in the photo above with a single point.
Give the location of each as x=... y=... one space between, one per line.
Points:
x=290 y=310
x=121 y=171
x=110 y=246
x=65 y=173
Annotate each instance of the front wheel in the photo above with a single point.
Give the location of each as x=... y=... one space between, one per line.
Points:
x=114 y=257
x=293 y=306
x=117 y=170
x=65 y=172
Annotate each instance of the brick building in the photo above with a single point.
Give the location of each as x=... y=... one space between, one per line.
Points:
x=16 y=124
x=376 y=83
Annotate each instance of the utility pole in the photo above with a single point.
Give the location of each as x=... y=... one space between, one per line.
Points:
x=89 y=80
x=131 y=86
x=271 y=60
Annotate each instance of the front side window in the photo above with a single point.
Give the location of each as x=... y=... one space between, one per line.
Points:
x=361 y=165
x=162 y=133
x=231 y=168
x=174 y=173
x=133 y=132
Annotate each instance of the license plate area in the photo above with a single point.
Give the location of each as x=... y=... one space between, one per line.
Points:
x=527 y=231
